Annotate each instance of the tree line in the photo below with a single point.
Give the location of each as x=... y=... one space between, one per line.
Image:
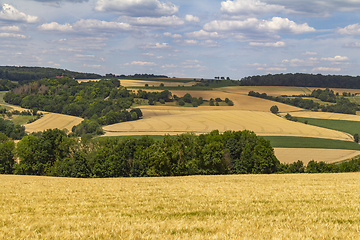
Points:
x=343 y=105
x=302 y=80
x=53 y=153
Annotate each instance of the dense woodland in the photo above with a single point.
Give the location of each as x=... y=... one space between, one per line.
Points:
x=342 y=104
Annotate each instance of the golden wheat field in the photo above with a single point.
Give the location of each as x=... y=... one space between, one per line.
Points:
x=299 y=206
x=177 y=121
x=51 y=121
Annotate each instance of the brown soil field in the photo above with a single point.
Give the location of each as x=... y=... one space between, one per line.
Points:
x=51 y=121
x=177 y=121
x=269 y=90
x=280 y=206
x=326 y=115
x=290 y=155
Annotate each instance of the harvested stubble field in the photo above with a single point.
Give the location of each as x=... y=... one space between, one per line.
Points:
x=51 y=121
x=299 y=206
x=290 y=155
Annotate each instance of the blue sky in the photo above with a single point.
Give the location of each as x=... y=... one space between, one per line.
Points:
x=230 y=38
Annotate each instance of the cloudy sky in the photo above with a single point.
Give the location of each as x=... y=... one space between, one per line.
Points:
x=202 y=38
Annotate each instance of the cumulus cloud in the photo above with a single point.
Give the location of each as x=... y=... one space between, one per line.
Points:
x=9 y=13
x=140 y=63
x=301 y=62
x=86 y=26
x=137 y=8
x=336 y=59
x=307 y=53
x=167 y=34
x=352 y=45
x=10 y=28
x=202 y=34
x=12 y=35
x=268 y=44
x=155 y=46
x=353 y=29
x=326 y=69
x=164 y=21
x=249 y=7
x=275 y=25
x=191 y=18
x=318 y=7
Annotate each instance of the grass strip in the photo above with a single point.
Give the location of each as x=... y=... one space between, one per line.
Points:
x=350 y=127
x=308 y=142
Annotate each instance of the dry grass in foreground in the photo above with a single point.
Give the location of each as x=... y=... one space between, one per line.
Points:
x=321 y=206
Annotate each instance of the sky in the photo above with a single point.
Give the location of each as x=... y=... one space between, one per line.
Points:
x=196 y=39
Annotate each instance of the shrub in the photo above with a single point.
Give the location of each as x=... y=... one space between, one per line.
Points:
x=274 y=109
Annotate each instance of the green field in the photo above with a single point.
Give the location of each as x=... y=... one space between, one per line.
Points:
x=350 y=127
x=306 y=142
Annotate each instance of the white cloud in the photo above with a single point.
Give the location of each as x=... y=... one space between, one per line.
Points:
x=9 y=13
x=272 y=69
x=336 y=59
x=54 y=26
x=352 y=45
x=325 y=69
x=140 y=63
x=86 y=26
x=249 y=7
x=12 y=35
x=210 y=43
x=154 y=46
x=202 y=34
x=167 y=34
x=309 y=53
x=163 y=21
x=268 y=44
x=309 y=62
x=275 y=25
x=10 y=28
x=353 y=29
x=191 y=18
x=319 y=7
x=169 y=66
x=137 y=8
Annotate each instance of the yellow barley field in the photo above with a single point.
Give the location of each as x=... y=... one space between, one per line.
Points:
x=299 y=206
x=51 y=121
x=290 y=155
x=141 y=83
x=177 y=121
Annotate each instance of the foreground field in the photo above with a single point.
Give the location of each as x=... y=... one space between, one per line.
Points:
x=51 y=121
x=319 y=206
